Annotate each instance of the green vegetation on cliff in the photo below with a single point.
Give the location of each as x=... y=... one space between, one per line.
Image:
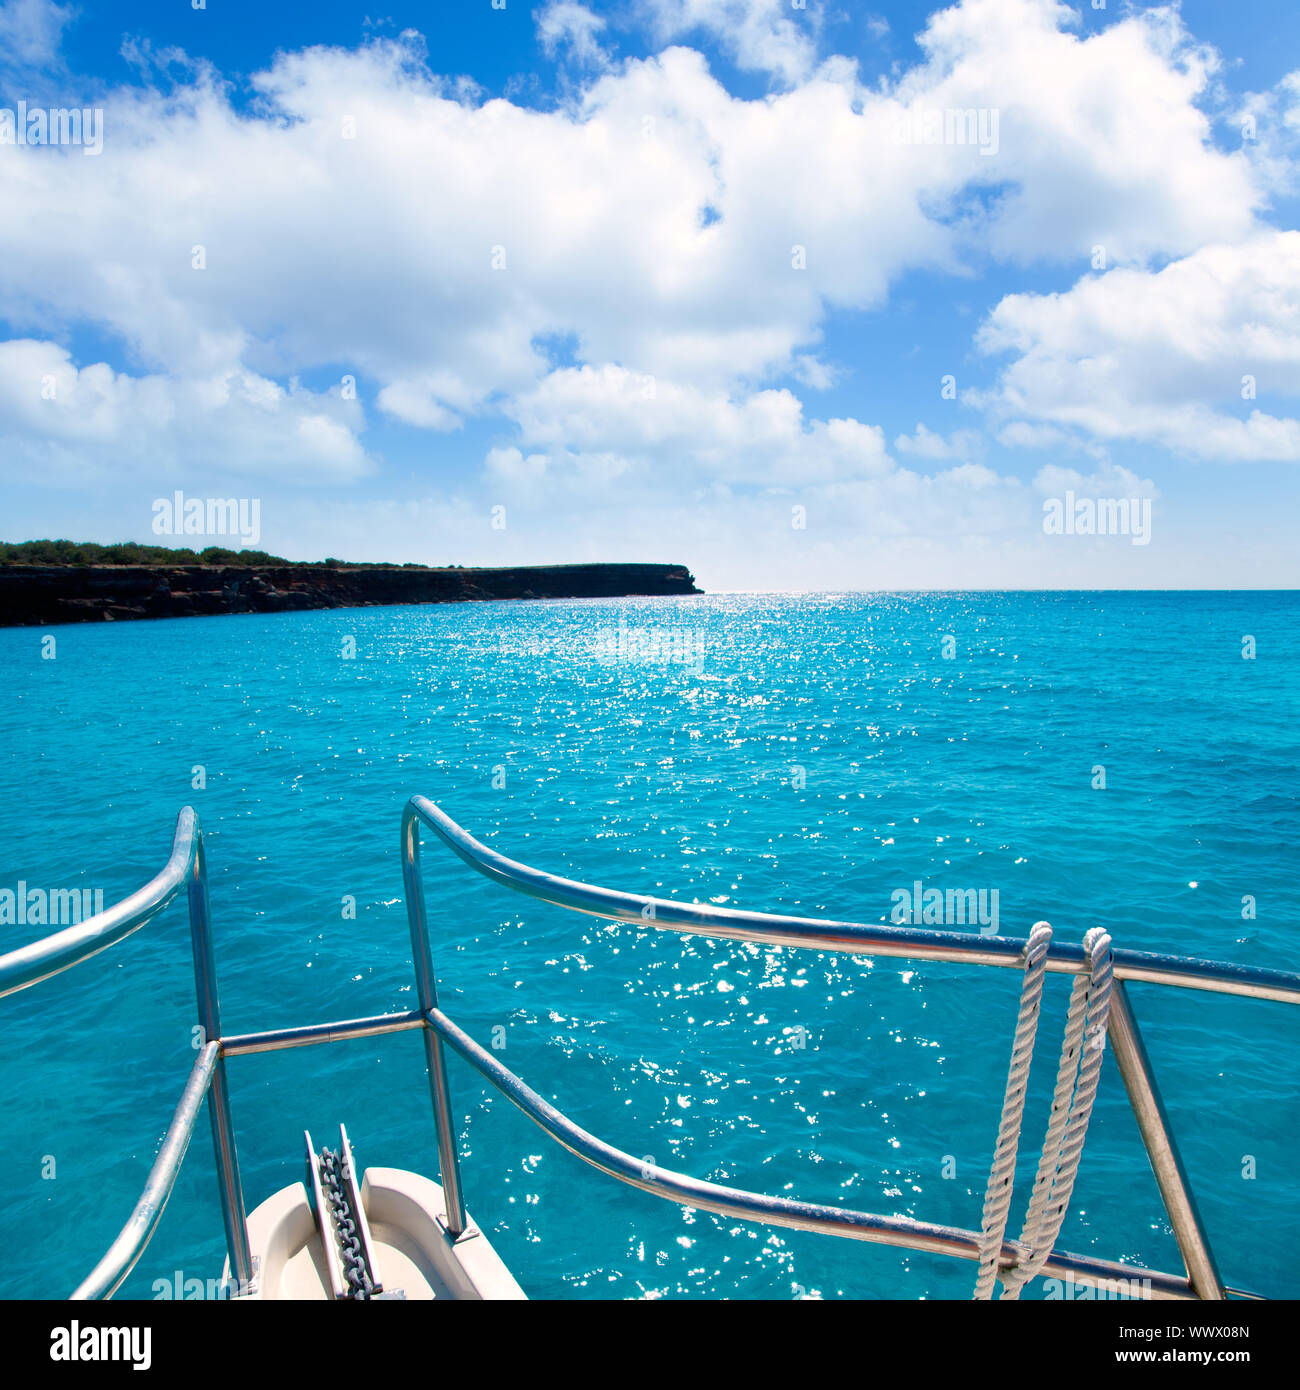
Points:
x=126 y=553
x=134 y=553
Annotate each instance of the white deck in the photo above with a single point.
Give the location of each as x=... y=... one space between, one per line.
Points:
x=412 y=1251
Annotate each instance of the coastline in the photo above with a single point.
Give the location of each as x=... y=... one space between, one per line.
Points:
x=47 y=595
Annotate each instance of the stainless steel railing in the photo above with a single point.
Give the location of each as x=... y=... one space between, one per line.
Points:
x=39 y=960
x=186 y=868
x=1126 y=1043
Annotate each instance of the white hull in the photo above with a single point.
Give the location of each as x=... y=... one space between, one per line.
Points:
x=406 y=1214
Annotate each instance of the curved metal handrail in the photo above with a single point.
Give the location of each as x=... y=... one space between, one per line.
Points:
x=120 y=1258
x=39 y=960
x=186 y=868
x=901 y=1231
x=1202 y=1280
x=854 y=937
x=50 y=955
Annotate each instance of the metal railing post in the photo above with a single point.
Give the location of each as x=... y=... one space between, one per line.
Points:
x=223 y=1129
x=421 y=956
x=187 y=867
x=1153 y=1124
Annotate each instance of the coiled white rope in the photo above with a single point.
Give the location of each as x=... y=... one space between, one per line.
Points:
x=1002 y=1175
x=1076 y=1088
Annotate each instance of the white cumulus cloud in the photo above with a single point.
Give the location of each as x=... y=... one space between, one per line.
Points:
x=1172 y=357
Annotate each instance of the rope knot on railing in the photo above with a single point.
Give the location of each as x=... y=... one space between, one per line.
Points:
x=1076 y=1088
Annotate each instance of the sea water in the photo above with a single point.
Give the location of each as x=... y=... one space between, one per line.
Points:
x=1125 y=760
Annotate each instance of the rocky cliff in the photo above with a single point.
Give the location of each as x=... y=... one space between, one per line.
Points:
x=42 y=595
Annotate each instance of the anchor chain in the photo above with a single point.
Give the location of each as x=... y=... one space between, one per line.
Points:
x=355 y=1271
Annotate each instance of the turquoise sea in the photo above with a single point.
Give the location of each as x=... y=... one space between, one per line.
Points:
x=804 y=754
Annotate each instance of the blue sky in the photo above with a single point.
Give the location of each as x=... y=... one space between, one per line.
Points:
x=809 y=297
